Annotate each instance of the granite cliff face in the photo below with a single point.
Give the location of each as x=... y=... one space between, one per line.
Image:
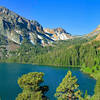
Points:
x=17 y=28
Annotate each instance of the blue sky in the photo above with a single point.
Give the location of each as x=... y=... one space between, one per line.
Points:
x=77 y=17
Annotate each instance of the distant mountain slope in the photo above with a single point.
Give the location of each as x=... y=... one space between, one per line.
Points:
x=16 y=28
x=94 y=33
x=98 y=38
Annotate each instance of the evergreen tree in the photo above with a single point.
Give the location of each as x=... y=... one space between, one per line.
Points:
x=68 y=89
x=30 y=83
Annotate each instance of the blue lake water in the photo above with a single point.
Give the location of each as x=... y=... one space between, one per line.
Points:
x=9 y=74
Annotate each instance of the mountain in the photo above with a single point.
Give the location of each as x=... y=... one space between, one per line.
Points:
x=57 y=34
x=94 y=32
x=17 y=29
x=18 y=35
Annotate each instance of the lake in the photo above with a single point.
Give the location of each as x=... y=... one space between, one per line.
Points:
x=9 y=74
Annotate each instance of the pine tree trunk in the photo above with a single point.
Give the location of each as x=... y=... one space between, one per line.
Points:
x=70 y=96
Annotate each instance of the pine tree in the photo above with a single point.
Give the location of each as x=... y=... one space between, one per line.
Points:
x=68 y=89
x=30 y=83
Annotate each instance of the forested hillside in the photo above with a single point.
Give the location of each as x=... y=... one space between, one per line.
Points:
x=80 y=54
x=60 y=53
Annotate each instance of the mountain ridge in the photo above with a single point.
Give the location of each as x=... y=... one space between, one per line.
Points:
x=17 y=28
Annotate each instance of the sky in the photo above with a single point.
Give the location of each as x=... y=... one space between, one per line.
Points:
x=77 y=17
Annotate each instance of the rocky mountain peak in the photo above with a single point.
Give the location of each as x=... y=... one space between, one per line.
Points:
x=3 y=10
x=58 y=33
x=60 y=30
x=17 y=28
x=6 y=13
